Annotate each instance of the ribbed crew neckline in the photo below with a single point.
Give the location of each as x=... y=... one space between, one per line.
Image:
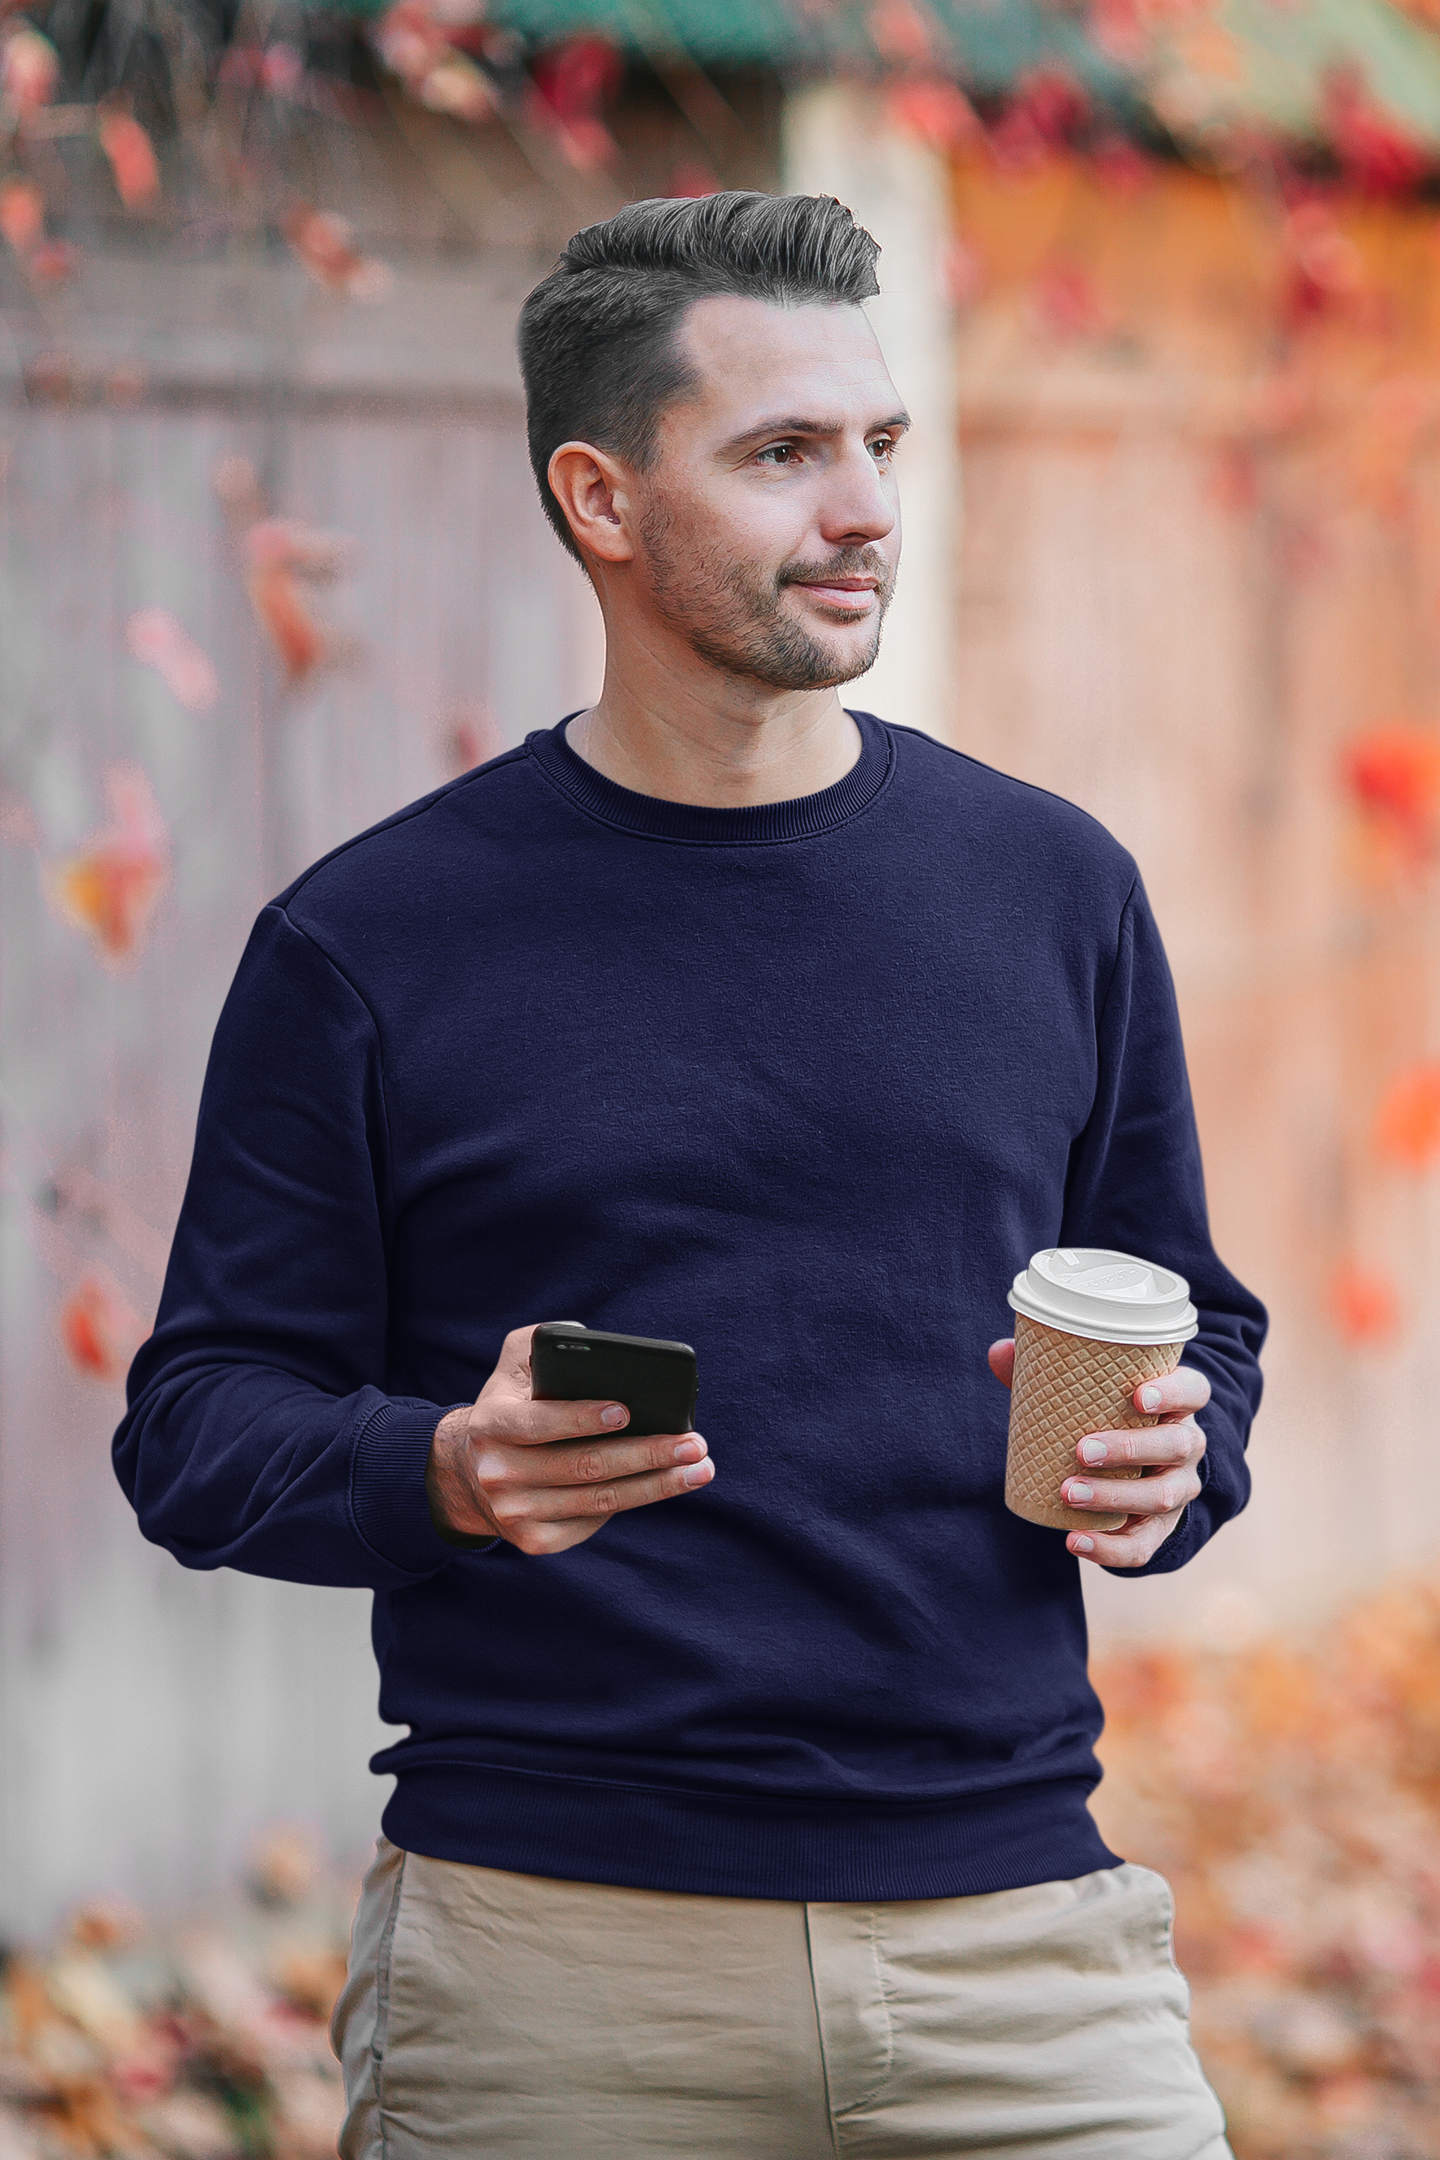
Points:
x=801 y=818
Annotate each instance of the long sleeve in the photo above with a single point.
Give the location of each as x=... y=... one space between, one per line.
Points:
x=1136 y=1184
x=258 y=1434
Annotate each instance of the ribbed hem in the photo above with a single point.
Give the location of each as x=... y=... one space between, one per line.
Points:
x=387 y=1487
x=584 y=1830
x=755 y=824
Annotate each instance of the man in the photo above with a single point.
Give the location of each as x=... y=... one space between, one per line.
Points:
x=755 y=1826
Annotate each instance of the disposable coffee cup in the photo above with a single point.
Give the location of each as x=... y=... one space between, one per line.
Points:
x=1090 y=1327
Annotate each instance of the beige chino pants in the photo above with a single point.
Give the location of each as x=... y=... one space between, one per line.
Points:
x=494 y=2013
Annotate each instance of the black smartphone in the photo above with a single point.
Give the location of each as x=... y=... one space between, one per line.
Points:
x=657 y=1381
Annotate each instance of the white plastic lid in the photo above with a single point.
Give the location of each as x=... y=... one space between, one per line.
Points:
x=1107 y=1296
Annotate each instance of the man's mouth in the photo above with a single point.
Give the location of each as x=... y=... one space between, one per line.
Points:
x=849 y=595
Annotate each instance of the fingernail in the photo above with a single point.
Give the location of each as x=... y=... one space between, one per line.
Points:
x=1093 y=1451
x=1082 y=1544
x=1150 y=1398
x=613 y=1414
x=690 y=1450
x=700 y=1473
x=1078 y=1492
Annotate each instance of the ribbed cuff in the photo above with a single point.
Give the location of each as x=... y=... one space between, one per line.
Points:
x=387 y=1487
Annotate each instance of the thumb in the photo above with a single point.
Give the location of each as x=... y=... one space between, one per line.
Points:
x=1001 y=1359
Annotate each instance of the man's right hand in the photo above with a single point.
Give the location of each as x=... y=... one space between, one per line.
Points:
x=546 y=1475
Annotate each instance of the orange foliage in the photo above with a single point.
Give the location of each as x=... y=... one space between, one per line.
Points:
x=1364 y=1304
x=1394 y=774
x=100 y=1330
x=132 y=159
x=1407 y=1124
x=110 y=890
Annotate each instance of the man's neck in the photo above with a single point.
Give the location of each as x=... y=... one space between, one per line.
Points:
x=749 y=746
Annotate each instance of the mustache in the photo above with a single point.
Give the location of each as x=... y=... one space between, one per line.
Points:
x=849 y=562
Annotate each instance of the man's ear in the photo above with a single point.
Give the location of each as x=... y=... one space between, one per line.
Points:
x=593 y=489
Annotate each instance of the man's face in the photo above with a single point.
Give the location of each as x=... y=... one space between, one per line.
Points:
x=769 y=529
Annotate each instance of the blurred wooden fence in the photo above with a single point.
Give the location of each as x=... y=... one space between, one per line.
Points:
x=1201 y=558
x=151 y=1718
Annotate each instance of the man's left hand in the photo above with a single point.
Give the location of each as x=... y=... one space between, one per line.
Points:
x=1167 y=1453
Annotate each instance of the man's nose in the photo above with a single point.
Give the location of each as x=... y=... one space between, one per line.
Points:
x=858 y=506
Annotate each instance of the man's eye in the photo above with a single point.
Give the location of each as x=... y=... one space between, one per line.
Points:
x=778 y=453
x=883 y=446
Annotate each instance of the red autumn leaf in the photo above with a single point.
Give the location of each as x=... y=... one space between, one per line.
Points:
x=239 y=490
x=110 y=888
x=899 y=32
x=1407 y=1124
x=1377 y=152
x=132 y=159
x=154 y=636
x=1055 y=102
x=1068 y=302
x=962 y=272
x=101 y=1331
x=53 y=262
x=690 y=181
x=282 y=555
x=472 y=736
x=1324 y=270
x=933 y=110
x=574 y=80
x=1393 y=773
x=1234 y=483
x=324 y=243
x=29 y=67
x=282 y=69
x=1123 y=165
x=1364 y=1303
x=410 y=42
x=22 y=213
x=1120 y=28
x=299 y=641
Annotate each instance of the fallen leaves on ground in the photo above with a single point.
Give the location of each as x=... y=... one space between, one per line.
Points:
x=1292 y=1796
x=207 y=2040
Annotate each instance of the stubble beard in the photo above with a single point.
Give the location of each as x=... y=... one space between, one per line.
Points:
x=733 y=614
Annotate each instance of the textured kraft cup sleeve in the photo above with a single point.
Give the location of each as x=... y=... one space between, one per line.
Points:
x=387 y=1487
x=1065 y=1386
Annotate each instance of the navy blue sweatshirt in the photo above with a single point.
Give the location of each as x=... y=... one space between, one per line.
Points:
x=803 y=1084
